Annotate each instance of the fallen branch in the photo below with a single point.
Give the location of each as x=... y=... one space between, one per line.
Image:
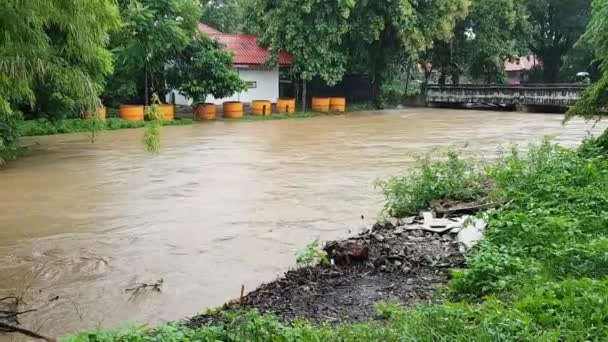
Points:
x=7 y=328
x=155 y=287
x=13 y=314
x=472 y=209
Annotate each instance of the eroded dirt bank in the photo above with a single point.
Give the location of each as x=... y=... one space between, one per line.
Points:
x=400 y=260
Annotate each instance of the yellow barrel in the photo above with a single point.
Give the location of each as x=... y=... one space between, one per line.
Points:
x=132 y=112
x=167 y=111
x=233 y=110
x=337 y=104
x=261 y=107
x=206 y=111
x=286 y=105
x=320 y=104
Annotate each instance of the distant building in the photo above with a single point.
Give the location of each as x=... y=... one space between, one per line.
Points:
x=249 y=63
x=516 y=68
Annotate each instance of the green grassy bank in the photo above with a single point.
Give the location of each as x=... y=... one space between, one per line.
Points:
x=46 y=127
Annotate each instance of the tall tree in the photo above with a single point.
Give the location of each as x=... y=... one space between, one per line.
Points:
x=387 y=34
x=594 y=102
x=204 y=68
x=489 y=35
x=224 y=15
x=51 y=41
x=311 y=30
x=154 y=33
x=556 y=26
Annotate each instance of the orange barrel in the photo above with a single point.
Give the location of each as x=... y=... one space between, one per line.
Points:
x=286 y=105
x=320 y=104
x=233 y=110
x=132 y=112
x=206 y=111
x=337 y=104
x=261 y=107
x=167 y=111
x=103 y=113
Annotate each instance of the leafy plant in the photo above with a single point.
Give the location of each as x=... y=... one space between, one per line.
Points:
x=154 y=33
x=204 y=68
x=312 y=255
x=151 y=137
x=452 y=178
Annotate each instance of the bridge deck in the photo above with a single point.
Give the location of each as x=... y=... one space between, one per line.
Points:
x=558 y=95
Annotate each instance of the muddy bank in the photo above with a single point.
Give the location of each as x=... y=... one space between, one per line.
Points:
x=402 y=260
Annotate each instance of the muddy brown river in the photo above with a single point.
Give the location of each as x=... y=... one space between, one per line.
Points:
x=223 y=204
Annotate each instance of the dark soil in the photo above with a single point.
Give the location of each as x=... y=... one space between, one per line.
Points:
x=388 y=263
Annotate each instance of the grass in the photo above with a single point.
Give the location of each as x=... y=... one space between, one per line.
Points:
x=539 y=275
x=45 y=127
x=452 y=178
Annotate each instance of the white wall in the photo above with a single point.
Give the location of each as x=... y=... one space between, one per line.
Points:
x=267 y=87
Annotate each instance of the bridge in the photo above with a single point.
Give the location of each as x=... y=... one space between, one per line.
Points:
x=541 y=95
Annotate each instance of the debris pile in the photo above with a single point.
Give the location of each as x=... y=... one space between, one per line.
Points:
x=400 y=259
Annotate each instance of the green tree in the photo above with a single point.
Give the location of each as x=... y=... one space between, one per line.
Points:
x=481 y=43
x=387 y=34
x=224 y=15
x=594 y=102
x=556 y=26
x=204 y=68
x=153 y=34
x=311 y=30
x=51 y=41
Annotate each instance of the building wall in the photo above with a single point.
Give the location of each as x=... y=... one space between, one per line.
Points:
x=266 y=87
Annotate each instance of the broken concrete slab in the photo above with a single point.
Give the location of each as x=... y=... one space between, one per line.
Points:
x=472 y=232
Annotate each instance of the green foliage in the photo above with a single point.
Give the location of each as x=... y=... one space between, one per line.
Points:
x=594 y=102
x=452 y=178
x=45 y=127
x=153 y=34
x=312 y=31
x=312 y=255
x=204 y=68
x=151 y=137
x=556 y=25
x=51 y=42
x=224 y=15
x=387 y=35
x=553 y=227
x=9 y=136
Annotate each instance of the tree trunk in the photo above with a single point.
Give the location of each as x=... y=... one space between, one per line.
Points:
x=455 y=78
x=407 y=80
x=146 y=95
x=304 y=86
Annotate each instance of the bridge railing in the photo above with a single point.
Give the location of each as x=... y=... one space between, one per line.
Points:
x=560 y=95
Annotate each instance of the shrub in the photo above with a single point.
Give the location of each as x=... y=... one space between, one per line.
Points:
x=453 y=178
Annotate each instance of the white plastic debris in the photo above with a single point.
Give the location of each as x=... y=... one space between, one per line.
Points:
x=472 y=232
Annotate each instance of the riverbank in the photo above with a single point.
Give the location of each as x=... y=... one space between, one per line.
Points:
x=41 y=127
x=540 y=272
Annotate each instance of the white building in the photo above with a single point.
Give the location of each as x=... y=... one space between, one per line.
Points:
x=249 y=63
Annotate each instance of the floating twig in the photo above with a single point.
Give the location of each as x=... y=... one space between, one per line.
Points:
x=8 y=328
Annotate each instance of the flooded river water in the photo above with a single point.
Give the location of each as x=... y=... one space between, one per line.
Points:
x=223 y=204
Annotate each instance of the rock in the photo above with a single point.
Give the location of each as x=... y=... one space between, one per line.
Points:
x=398 y=231
x=393 y=221
x=407 y=270
x=377 y=237
x=357 y=252
x=409 y=281
x=406 y=220
x=398 y=263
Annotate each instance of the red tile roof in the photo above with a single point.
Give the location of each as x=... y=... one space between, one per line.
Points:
x=523 y=63
x=245 y=47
